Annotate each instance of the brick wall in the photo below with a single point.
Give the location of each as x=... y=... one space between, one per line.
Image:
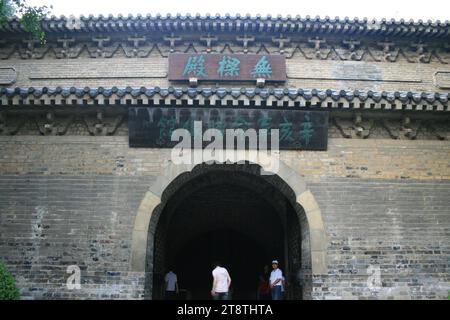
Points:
x=358 y=158
x=401 y=228
x=48 y=223
x=72 y=200
x=301 y=73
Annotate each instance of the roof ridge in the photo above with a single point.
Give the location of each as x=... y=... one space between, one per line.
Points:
x=316 y=18
x=288 y=23
x=2 y=89
x=279 y=93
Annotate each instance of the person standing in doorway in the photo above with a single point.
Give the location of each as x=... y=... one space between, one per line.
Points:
x=266 y=272
x=171 y=285
x=221 y=282
x=263 y=291
x=276 y=278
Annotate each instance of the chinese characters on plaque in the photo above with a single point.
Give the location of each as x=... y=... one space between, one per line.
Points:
x=297 y=129
x=156 y=127
x=223 y=67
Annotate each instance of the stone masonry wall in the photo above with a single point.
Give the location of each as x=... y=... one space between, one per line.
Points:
x=72 y=200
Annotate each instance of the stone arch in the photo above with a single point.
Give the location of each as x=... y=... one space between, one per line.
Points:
x=154 y=199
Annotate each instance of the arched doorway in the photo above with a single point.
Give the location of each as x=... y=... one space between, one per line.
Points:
x=232 y=214
x=304 y=257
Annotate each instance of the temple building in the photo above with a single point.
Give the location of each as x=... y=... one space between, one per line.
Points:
x=95 y=204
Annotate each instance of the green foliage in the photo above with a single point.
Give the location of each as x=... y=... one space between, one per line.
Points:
x=31 y=21
x=30 y=17
x=8 y=289
x=6 y=11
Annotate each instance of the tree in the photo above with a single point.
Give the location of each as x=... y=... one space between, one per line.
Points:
x=30 y=16
x=8 y=289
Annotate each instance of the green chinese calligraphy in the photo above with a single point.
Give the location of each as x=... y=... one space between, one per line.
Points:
x=240 y=123
x=286 y=131
x=265 y=123
x=228 y=67
x=195 y=66
x=262 y=69
x=166 y=126
x=217 y=124
x=307 y=130
x=189 y=126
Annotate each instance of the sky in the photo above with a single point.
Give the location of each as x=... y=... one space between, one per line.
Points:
x=397 y=9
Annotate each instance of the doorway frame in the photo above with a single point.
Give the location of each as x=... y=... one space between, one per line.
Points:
x=154 y=200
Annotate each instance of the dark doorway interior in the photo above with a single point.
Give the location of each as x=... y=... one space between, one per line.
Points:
x=241 y=255
x=231 y=217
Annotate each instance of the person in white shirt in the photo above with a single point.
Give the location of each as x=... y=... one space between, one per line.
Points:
x=171 y=282
x=276 y=281
x=221 y=282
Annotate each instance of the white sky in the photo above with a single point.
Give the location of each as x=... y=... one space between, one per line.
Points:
x=406 y=9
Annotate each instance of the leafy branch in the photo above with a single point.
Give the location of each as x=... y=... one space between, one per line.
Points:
x=30 y=17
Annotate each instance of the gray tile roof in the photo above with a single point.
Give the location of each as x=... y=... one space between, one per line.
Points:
x=436 y=101
x=239 y=23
